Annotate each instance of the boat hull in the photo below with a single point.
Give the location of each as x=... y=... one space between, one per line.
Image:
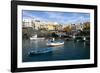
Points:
x=55 y=44
x=36 y=38
x=41 y=51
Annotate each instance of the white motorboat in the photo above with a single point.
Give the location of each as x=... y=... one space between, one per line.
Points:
x=35 y=38
x=55 y=43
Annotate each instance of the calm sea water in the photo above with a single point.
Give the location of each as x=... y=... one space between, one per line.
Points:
x=69 y=51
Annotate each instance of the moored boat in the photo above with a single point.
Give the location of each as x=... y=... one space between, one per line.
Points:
x=36 y=38
x=42 y=51
x=31 y=38
x=55 y=43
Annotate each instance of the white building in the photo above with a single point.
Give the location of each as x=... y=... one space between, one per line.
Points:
x=27 y=23
x=37 y=24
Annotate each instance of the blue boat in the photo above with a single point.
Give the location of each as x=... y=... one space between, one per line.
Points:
x=41 y=51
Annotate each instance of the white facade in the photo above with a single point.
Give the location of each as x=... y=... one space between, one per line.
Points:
x=27 y=23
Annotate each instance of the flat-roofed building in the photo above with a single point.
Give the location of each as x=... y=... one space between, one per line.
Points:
x=27 y=23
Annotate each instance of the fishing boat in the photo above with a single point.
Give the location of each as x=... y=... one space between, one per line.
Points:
x=55 y=43
x=35 y=38
x=40 y=51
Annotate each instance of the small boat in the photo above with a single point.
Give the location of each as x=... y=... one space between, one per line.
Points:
x=35 y=38
x=55 y=43
x=31 y=38
x=42 y=51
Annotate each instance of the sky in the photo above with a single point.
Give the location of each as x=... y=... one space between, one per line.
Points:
x=58 y=17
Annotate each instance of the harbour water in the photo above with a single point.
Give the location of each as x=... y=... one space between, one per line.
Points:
x=71 y=50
